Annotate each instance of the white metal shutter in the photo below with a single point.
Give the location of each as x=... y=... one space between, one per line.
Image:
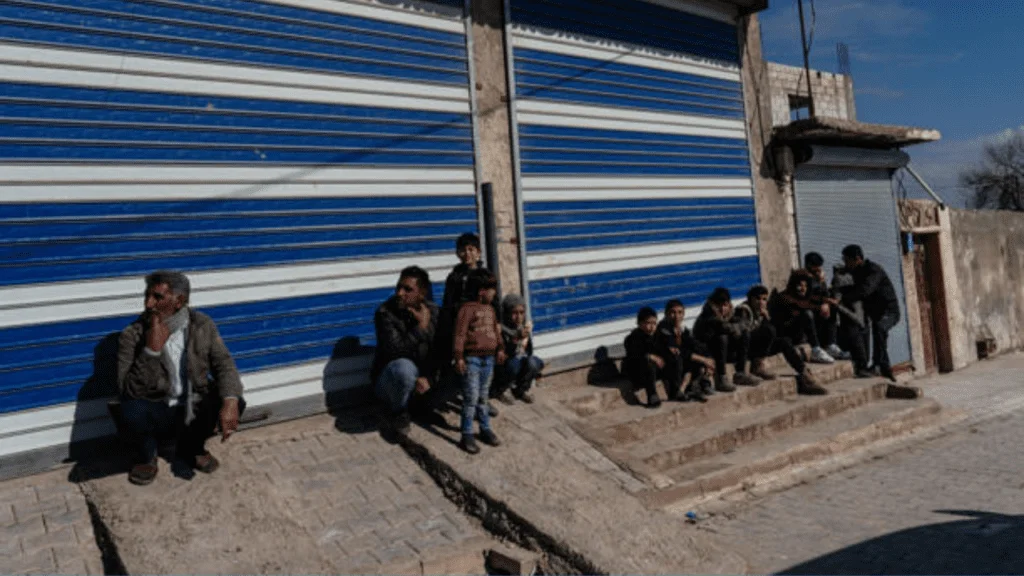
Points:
x=837 y=206
x=632 y=163
x=290 y=155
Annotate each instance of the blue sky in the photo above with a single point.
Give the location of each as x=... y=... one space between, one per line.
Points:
x=954 y=65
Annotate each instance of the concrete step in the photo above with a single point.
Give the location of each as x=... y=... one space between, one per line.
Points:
x=619 y=423
x=662 y=452
x=770 y=459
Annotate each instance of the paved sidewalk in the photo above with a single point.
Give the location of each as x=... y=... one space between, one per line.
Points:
x=952 y=505
x=582 y=503
x=45 y=527
x=298 y=497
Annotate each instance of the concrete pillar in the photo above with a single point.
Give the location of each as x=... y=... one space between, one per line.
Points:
x=494 y=154
x=775 y=226
x=962 y=350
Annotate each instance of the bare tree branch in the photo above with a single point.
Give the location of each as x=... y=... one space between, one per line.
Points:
x=998 y=182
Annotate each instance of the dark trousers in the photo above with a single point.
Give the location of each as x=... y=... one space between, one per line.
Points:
x=150 y=424
x=810 y=327
x=878 y=331
x=725 y=348
x=518 y=374
x=642 y=374
x=675 y=371
x=764 y=343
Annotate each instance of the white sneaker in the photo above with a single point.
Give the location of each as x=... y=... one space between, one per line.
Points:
x=837 y=352
x=819 y=356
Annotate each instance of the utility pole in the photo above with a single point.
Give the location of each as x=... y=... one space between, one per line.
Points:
x=807 y=63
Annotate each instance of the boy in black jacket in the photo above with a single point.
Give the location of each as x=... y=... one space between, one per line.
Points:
x=682 y=355
x=643 y=361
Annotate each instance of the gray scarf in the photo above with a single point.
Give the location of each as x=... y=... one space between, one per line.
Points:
x=177 y=322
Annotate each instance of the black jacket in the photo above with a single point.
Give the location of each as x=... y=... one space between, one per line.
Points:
x=455 y=287
x=709 y=326
x=639 y=344
x=399 y=336
x=871 y=285
x=666 y=338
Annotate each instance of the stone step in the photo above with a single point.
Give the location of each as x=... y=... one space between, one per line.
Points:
x=586 y=401
x=620 y=423
x=771 y=459
x=662 y=452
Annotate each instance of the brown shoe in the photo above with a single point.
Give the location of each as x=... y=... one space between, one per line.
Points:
x=758 y=368
x=143 y=474
x=206 y=463
x=805 y=384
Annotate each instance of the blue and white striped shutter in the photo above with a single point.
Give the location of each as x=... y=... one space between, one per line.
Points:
x=633 y=163
x=290 y=155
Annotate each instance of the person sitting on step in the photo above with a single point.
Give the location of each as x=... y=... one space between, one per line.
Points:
x=725 y=339
x=794 y=312
x=826 y=316
x=682 y=355
x=753 y=317
x=643 y=360
x=521 y=368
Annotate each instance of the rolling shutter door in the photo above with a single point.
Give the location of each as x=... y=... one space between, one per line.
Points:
x=633 y=164
x=290 y=155
x=837 y=206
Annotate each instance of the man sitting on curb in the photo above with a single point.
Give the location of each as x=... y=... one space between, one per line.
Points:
x=177 y=380
x=404 y=361
x=752 y=316
x=725 y=339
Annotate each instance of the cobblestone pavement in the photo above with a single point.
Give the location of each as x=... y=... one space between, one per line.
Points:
x=951 y=505
x=45 y=527
x=298 y=497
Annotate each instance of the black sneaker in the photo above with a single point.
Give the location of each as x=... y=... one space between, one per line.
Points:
x=707 y=387
x=864 y=373
x=492 y=410
x=489 y=437
x=887 y=374
x=506 y=398
x=524 y=396
x=468 y=443
x=653 y=401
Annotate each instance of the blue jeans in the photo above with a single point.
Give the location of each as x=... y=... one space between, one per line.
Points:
x=476 y=383
x=396 y=384
x=521 y=371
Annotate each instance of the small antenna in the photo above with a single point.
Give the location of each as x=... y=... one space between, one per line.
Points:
x=843 y=56
x=807 y=63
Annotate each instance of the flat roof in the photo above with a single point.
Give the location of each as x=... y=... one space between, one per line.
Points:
x=837 y=132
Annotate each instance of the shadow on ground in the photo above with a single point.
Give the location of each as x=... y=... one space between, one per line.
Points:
x=984 y=543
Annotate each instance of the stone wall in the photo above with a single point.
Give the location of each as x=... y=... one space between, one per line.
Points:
x=988 y=249
x=833 y=93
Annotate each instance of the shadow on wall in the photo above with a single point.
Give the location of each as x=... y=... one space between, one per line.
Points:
x=986 y=543
x=94 y=450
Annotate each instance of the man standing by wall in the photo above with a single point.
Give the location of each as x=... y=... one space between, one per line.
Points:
x=176 y=379
x=873 y=288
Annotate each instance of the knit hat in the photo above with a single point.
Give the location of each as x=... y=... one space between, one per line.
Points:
x=510 y=302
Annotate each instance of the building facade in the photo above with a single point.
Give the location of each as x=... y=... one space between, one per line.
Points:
x=293 y=155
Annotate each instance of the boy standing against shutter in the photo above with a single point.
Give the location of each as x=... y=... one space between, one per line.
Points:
x=476 y=346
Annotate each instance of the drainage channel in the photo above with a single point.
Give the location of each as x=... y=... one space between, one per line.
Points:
x=112 y=563
x=497 y=519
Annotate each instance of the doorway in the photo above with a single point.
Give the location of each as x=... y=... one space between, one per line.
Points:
x=931 y=299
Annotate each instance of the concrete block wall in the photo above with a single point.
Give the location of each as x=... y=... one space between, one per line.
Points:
x=833 y=93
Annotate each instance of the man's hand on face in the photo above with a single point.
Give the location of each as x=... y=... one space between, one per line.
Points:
x=825 y=311
x=422 y=385
x=422 y=315
x=228 y=418
x=157 y=334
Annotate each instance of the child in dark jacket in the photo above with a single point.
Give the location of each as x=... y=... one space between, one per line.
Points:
x=476 y=346
x=682 y=355
x=521 y=367
x=643 y=360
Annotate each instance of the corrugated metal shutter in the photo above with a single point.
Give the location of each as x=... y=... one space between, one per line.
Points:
x=839 y=206
x=633 y=163
x=290 y=155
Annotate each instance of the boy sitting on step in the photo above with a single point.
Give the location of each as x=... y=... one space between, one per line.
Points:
x=680 y=351
x=643 y=361
x=521 y=368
